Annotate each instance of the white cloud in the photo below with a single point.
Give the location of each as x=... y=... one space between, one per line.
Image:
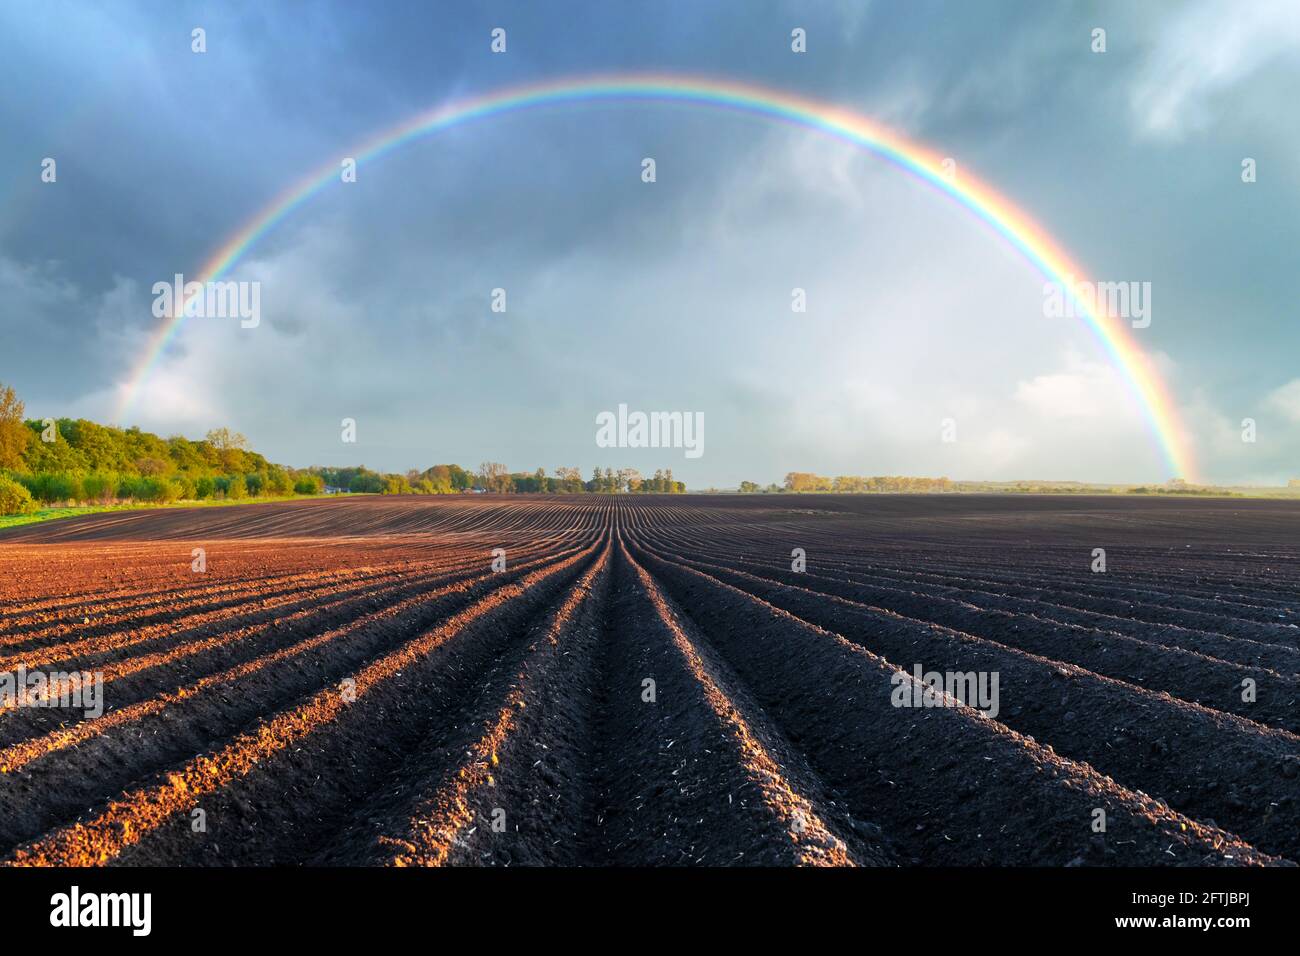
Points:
x=1219 y=431
x=1207 y=50
x=1083 y=389
x=1286 y=400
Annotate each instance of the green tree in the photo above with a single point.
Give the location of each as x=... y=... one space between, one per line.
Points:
x=307 y=484
x=494 y=476
x=14 y=498
x=569 y=480
x=366 y=482
x=14 y=436
x=439 y=479
x=223 y=439
x=396 y=485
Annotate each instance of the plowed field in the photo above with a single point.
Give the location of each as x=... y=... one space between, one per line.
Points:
x=656 y=681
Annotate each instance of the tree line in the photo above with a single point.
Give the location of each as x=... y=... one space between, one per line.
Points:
x=494 y=476
x=860 y=484
x=69 y=461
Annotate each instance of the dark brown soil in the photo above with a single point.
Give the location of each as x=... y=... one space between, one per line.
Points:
x=649 y=682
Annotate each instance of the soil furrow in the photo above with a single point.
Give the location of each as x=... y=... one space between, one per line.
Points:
x=950 y=786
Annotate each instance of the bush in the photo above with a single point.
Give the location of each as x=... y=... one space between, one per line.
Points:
x=205 y=487
x=236 y=488
x=254 y=484
x=181 y=488
x=51 y=488
x=15 y=499
x=98 y=487
x=309 y=485
x=396 y=485
x=367 y=483
x=125 y=487
x=151 y=489
x=279 y=483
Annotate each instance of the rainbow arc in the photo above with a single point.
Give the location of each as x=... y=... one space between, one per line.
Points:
x=1010 y=223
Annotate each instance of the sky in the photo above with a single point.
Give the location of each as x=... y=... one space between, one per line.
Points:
x=673 y=295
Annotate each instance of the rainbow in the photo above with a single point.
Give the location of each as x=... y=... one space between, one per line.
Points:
x=1016 y=228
